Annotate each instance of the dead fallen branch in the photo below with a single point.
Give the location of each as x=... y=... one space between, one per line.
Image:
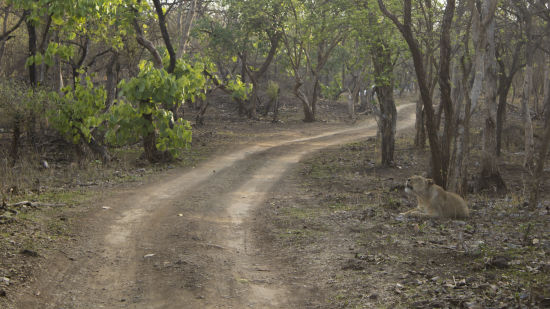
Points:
x=34 y=204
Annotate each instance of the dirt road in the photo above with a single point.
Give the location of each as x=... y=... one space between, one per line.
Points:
x=184 y=242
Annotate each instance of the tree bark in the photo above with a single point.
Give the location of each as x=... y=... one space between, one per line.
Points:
x=438 y=171
x=457 y=170
x=529 y=149
x=504 y=85
x=157 y=59
x=383 y=72
x=276 y=107
x=546 y=96
x=31 y=30
x=6 y=33
x=150 y=141
x=490 y=175
x=186 y=28
x=444 y=79
x=165 y=36
x=542 y=153
x=255 y=76
x=420 y=137
x=387 y=123
x=526 y=115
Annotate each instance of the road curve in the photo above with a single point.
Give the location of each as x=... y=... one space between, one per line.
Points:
x=184 y=242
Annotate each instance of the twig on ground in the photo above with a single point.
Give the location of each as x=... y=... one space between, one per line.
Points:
x=34 y=204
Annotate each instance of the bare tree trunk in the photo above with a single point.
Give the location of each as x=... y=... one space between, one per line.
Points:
x=504 y=85
x=31 y=30
x=165 y=35
x=383 y=72
x=527 y=17
x=255 y=76
x=387 y=123
x=420 y=137
x=542 y=153
x=150 y=141
x=490 y=176
x=186 y=28
x=276 y=106
x=351 y=105
x=439 y=172
x=453 y=177
x=444 y=80
x=527 y=122
x=546 y=86
x=458 y=171
x=58 y=74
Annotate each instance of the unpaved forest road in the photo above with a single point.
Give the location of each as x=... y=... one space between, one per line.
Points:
x=184 y=242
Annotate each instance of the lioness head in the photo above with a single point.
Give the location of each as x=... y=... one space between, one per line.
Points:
x=418 y=184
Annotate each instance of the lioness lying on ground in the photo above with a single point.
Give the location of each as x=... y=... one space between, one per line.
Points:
x=433 y=201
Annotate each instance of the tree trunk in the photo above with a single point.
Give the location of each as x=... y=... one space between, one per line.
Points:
x=383 y=73
x=186 y=28
x=165 y=35
x=276 y=107
x=351 y=105
x=150 y=141
x=527 y=123
x=58 y=75
x=438 y=171
x=546 y=95
x=387 y=123
x=255 y=76
x=31 y=30
x=444 y=80
x=501 y=117
x=252 y=102
x=420 y=137
x=6 y=32
x=542 y=153
x=527 y=18
x=457 y=170
x=490 y=176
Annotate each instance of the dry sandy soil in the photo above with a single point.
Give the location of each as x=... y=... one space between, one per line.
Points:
x=274 y=223
x=183 y=240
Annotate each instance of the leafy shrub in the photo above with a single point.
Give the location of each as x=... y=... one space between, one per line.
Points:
x=78 y=111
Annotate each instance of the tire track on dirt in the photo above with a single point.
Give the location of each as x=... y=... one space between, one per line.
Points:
x=183 y=243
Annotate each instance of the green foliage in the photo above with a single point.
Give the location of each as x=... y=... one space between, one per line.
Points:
x=78 y=111
x=240 y=90
x=272 y=90
x=151 y=95
x=333 y=90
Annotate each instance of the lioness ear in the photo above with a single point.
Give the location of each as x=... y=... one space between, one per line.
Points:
x=430 y=182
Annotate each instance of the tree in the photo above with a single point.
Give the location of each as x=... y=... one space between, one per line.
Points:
x=9 y=28
x=490 y=174
x=258 y=28
x=509 y=63
x=526 y=16
x=313 y=31
x=439 y=156
x=384 y=48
